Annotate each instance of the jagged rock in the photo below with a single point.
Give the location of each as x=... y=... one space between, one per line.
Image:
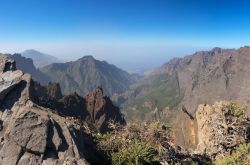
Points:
x=40 y=126
x=95 y=109
x=101 y=110
x=32 y=134
x=6 y=64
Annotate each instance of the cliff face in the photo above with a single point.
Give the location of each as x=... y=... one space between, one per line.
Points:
x=220 y=129
x=208 y=76
x=31 y=131
x=204 y=77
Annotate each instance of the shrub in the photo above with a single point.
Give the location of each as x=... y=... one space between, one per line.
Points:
x=133 y=153
x=240 y=157
x=236 y=110
x=134 y=144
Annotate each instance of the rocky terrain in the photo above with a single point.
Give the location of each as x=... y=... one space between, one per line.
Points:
x=40 y=125
x=32 y=132
x=204 y=77
x=87 y=73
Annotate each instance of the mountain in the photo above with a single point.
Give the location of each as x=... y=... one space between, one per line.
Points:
x=31 y=132
x=27 y=66
x=40 y=59
x=39 y=125
x=204 y=77
x=87 y=73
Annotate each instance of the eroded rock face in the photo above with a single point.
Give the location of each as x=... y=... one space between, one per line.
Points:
x=221 y=128
x=209 y=76
x=40 y=126
x=101 y=110
x=31 y=134
x=95 y=109
x=185 y=130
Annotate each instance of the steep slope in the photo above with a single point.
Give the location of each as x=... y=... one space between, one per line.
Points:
x=204 y=77
x=40 y=59
x=86 y=74
x=33 y=132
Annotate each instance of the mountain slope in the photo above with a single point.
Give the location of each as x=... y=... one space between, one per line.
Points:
x=85 y=74
x=204 y=77
x=40 y=59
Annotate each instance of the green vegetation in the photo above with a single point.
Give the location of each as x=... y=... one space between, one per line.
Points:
x=236 y=109
x=134 y=144
x=140 y=144
x=135 y=153
x=240 y=157
x=159 y=90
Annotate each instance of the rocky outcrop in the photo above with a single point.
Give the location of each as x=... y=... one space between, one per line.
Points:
x=95 y=109
x=216 y=130
x=101 y=110
x=222 y=127
x=31 y=134
x=184 y=130
x=36 y=124
x=27 y=66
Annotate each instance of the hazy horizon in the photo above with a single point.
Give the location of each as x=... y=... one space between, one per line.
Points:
x=131 y=34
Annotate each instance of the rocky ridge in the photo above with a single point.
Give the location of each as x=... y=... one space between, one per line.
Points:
x=86 y=74
x=32 y=133
x=203 y=77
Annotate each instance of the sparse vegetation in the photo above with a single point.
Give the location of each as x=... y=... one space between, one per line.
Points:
x=139 y=144
x=240 y=157
x=236 y=109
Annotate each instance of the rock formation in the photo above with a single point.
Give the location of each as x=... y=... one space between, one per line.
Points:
x=221 y=128
x=215 y=131
x=27 y=66
x=185 y=130
x=32 y=132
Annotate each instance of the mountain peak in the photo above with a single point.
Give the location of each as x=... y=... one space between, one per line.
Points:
x=87 y=58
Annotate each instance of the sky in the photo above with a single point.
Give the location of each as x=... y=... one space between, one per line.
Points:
x=133 y=34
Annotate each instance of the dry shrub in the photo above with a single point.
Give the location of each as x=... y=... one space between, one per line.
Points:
x=136 y=143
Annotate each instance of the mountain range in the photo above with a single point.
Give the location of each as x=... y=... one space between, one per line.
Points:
x=204 y=77
x=41 y=125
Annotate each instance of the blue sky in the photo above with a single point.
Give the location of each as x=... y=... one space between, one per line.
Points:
x=130 y=33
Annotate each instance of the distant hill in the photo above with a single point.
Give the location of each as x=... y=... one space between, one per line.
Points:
x=201 y=78
x=40 y=59
x=87 y=73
